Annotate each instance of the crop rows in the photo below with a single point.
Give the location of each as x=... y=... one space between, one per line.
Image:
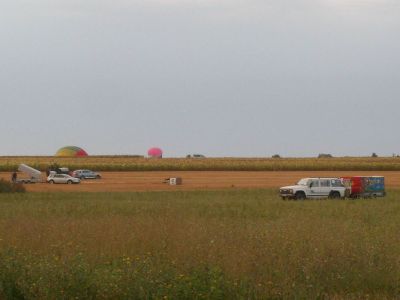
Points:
x=127 y=163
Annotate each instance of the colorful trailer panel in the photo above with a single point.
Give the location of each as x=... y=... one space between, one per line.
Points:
x=365 y=186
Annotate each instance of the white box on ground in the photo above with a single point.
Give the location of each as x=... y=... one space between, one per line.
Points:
x=175 y=181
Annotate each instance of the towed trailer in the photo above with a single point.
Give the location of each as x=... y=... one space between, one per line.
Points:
x=35 y=176
x=365 y=186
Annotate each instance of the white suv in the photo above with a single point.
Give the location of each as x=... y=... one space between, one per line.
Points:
x=314 y=188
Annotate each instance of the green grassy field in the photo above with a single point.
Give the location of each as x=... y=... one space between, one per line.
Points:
x=197 y=245
x=129 y=163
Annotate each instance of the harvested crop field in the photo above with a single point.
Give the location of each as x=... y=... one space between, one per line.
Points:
x=198 y=180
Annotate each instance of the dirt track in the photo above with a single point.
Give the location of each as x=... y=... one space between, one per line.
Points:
x=153 y=181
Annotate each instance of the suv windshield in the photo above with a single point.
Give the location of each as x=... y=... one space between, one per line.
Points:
x=303 y=182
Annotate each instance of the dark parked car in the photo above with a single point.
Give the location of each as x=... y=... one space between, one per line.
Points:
x=58 y=170
x=195 y=156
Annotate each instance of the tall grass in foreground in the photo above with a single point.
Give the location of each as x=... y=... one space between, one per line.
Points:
x=128 y=163
x=197 y=245
x=11 y=187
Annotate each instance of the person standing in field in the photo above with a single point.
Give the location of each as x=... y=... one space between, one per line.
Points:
x=14 y=177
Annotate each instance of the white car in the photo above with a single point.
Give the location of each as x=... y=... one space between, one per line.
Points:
x=86 y=174
x=314 y=188
x=62 y=178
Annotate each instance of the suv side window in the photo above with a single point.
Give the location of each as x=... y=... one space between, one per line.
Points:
x=314 y=183
x=325 y=183
x=336 y=183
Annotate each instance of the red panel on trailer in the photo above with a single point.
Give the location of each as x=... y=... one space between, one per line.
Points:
x=355 y=184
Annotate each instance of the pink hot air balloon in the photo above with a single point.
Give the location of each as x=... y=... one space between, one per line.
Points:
x=155 y=152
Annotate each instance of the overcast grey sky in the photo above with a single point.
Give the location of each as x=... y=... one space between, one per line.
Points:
x=222 y=78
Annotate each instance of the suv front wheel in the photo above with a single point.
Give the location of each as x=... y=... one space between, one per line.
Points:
x=300 y=196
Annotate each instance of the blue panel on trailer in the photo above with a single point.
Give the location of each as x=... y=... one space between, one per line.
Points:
x=374 y=184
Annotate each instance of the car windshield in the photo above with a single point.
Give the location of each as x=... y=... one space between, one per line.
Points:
x=303 y=182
